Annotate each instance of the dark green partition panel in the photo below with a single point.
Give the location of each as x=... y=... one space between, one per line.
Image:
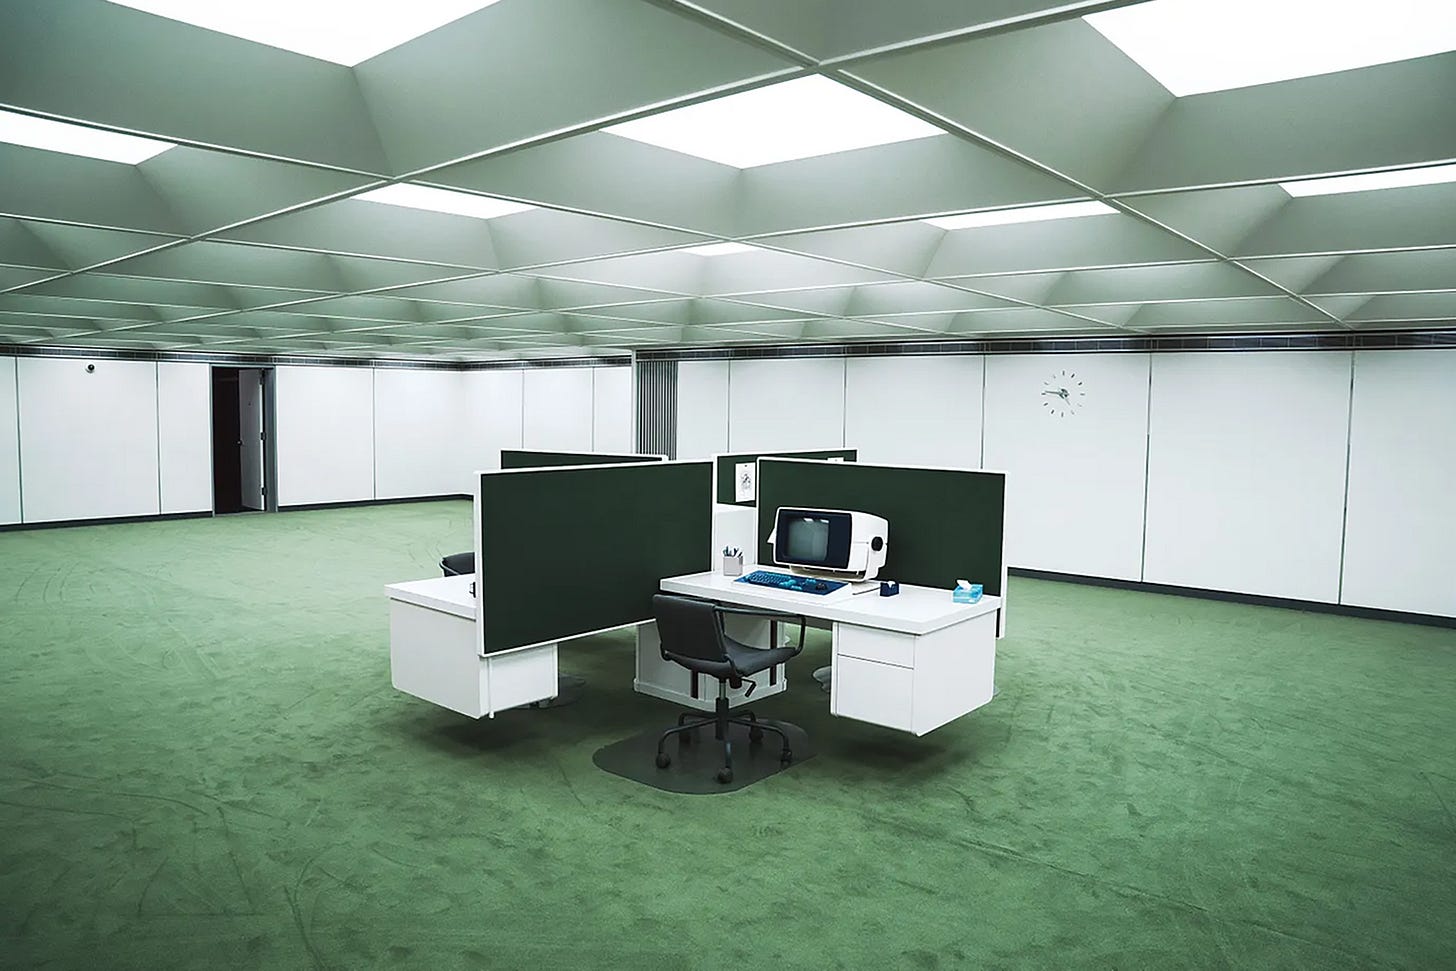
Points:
x=568 y=551
x=521 y=458
x=723 y=475
x=945 y=524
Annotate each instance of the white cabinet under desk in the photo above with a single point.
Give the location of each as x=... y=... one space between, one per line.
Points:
x=434 y=653
x=911 y=662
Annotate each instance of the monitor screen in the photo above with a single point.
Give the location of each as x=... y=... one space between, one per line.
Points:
x=816 y=538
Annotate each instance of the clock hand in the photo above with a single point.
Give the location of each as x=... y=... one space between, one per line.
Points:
x=1052 y=392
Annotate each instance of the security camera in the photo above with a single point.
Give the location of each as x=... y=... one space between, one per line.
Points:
x=90 y=369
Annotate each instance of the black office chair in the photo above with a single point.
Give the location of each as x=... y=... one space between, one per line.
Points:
x=691 y=634
x=458 y=564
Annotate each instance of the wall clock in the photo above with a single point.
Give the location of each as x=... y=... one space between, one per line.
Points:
x=1063 y=394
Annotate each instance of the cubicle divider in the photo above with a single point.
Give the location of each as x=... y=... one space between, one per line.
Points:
x=726 y=469
x=578 y=550
x=526 y=458
x=945 y=524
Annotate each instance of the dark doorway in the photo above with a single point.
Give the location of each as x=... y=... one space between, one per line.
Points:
x=241 y=466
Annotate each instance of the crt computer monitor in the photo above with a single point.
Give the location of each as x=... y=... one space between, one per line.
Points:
x=829 y=541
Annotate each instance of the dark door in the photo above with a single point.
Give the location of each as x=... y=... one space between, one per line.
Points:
x=227 y=470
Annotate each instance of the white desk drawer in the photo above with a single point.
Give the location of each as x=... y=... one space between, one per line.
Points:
x=881 y=694
x=869 y=644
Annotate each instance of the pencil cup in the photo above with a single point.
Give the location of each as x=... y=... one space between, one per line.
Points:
x=733 y=565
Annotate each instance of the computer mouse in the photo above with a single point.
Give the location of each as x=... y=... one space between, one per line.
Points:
x=820 y=585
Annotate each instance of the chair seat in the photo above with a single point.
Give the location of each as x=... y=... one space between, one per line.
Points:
x=742 y=660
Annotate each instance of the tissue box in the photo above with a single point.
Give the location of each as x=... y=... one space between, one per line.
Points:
x=966 y=593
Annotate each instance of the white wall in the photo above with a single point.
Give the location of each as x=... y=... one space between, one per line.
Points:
x=9 y=445
x=612 y=410
x=491 y=421
x=184 y=436
x=325 y=418
x=1246 y=472
x=702 y=408
x=1074 y=486
x=786 y=404
x=914 y=410
x=417 y=428
x=88 y=442
x=1400 y=529
x=558 y=409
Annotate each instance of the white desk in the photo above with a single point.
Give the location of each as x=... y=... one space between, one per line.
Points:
x=434 y=653
x=912 y=662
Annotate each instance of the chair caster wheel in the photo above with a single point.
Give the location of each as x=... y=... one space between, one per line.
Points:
x=725 y=776
x=786 y=757
x=663 y=760
x=755 y=735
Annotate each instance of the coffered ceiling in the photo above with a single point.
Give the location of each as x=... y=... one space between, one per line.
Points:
x=607 y=148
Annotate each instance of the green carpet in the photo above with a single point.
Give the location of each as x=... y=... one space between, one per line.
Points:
x=205 y=766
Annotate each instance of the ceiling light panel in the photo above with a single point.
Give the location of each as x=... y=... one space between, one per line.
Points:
x=802 y=118
x=345 y=32
x=1028 y=214
x=1196 y=46
x=1430 y=175
x=57 y=136
x=720 y=249
x=442 y=200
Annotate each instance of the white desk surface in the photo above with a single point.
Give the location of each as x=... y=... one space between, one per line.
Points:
x=915 y=610
x=450 y=595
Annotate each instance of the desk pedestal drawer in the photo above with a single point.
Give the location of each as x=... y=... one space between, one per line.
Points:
x=882 y=694
x=432 y=655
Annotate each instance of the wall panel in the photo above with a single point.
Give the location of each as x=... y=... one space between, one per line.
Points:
x=1074 y=487
x=88 y=442
x=490 y=421
x=325 y=434
x=1246 y=472
x=1400 y=526
x=793 y=403
x=558 y=409
x=9 y=445
x=184 y=436
x=417 y=418
x=612 y=410
x=914 y=410
x=702 y=408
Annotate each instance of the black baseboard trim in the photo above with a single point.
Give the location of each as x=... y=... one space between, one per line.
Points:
x=354 y=503
x=105 y=521
x=1257 y=600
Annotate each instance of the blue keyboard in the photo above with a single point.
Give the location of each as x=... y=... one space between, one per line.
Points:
x=783 y=581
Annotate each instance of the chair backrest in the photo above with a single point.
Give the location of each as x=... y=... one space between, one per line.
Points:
x=688 y=627
x=458 y=564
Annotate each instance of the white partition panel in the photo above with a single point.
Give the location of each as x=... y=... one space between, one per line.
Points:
x=88 y=441
x=612 y=410
x=325 y=434
x=184 y=436
x=9 y=445
x=1400 y=527
x=417 y=424
x=789 y=403
x=558 y=409
x=1076 y=472
x=491 y=421
x=1246 y=472
x=702 y=408
x=914 y=410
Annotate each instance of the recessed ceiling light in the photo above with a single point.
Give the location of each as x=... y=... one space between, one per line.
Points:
x=720 y=249
x=345 y=32
x=1430 y=175
x=1195 y=46
x=442 y=200
x=57 y=136
x=795 y=119
x=1027 y=214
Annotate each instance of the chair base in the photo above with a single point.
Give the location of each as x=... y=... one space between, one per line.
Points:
x=695 y=763
x=689 y=722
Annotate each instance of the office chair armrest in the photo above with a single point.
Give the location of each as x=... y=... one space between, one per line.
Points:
x=776 y=615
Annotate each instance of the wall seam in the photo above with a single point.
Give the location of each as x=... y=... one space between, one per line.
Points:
x=19 y=454
x=157 y=428
x=1147 y=471
x=1345 y=509
x=981 y=460
x=844 y=403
